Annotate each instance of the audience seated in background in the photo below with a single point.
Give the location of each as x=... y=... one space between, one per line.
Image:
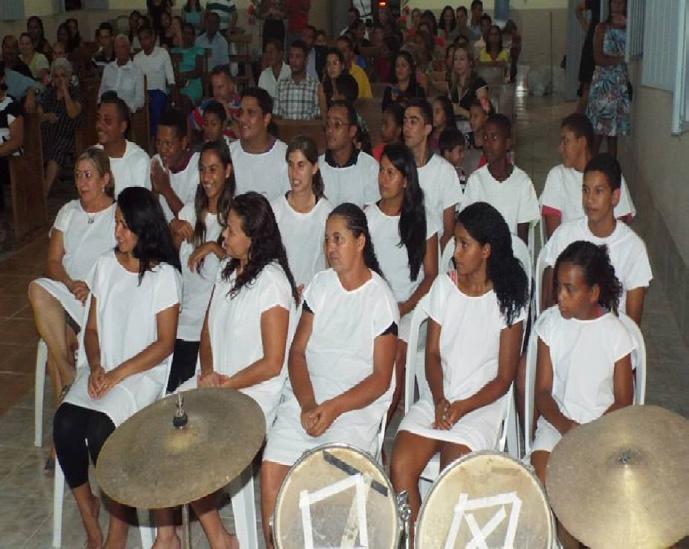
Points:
x=213 y=40
x=10 y=56
x=223 y=91
x=465 y=84
x=390 y=128
x=276 y=70
x=124 y=77
x=106 y=51
x=36 y=61
x=190 y=69
x=344 y=44
x=452 y=146
x=297 y=96
x=404 y=84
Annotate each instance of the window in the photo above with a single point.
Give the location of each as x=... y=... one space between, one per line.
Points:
x=680 y=100
x=11 y=10
x=635 y=29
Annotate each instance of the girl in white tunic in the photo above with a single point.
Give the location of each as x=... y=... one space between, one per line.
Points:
x=584 y=351
x=405 y=239
x=476 y=313
x=197 y=233
x=245 y=336
x=127 y=344
x=341 y=359
x=301 y=212
x=84 y=229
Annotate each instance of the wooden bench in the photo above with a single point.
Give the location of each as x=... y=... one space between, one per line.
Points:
x=289 y=129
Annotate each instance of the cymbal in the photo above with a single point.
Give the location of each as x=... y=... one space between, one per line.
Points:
x=149 y=463
x=623 y=480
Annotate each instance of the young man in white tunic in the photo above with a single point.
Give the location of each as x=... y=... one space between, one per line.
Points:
x=350 y=175
x=601 y=193
x=175 y=168
x=561 y=197
x=437 y=177
x=129 y=163
x=258 y=157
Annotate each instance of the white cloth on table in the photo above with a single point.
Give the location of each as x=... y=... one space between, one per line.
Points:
x=303 y=237
x=157 y=68
x=184 y=183
x=132 y=170
x=127 y=81
x=339 y=355
x=197 y=286
x=515 y=198
x=626 y=250
x=469 y=348
x=85 y=237
x=127 y=324
x=441 y=189
x=356 y=183
x=583 y=354
x=393 y=257
x=264 y=173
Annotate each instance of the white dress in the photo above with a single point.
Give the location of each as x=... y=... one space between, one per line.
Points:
x=132 y=170
x=441 y=189
x=196 y=286
x=469 y=347
x=303 y=237
x=393 y=257
x=234 y=326
x=184 y=183
x=583 y=354
x=264 y=173
x=339 y=355
x=126 y=322
x=357 y=182
x=85 y=237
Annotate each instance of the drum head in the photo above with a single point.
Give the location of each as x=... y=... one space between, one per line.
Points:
x=485 y=499
x=332 y=494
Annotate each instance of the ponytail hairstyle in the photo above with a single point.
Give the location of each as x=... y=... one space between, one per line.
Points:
x=219 y=148
x=144 y=217
x=594 y=263
x=355 y=219
x=259 y=225
x=487 y=226
x=412 y=225
x=308 y=148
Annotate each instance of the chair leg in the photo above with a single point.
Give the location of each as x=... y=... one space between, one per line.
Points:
x=514 y=445
x=244 y=509
x=146 y=531
x=58 y=499
x=39 y=389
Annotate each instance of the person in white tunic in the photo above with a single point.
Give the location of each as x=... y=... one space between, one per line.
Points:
x=258 y=157
x=302 y=212
x=246 y=334
x=476 y=318
x=127 y=346
x=341 y=359
x=584 y=351
x=83 y=230
x=197 y=234
x=406 y=243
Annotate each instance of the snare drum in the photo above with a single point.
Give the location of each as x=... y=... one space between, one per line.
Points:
x=336 y=496
x=485 y=499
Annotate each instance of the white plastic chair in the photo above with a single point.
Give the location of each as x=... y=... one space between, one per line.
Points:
x=39 y=391
x=538 y=284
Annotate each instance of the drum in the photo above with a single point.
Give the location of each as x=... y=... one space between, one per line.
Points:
x=485 y=499
x=336 y=496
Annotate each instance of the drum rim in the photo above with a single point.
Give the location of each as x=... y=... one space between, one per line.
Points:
x=307 y=454
x=482 y=453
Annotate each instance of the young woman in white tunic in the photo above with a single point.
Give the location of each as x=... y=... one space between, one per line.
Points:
x=246 y=333
x=476 y=317
x=301 y=212
x=127 y=346
x=584 y=351
x=341 y=359
x=405 y=238
x=197 y=234
x=84 y=229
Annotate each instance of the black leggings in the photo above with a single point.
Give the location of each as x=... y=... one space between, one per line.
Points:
x=78 y=432
x=183 y=363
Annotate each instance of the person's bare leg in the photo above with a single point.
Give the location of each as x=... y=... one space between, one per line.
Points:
x=272 y=475
x=450 y=452
x=89 y=506
x=400 y=365
x=52 y=170
x=206 y=510
x=166 y=537
x=584 y=98
x=118 y=527
x=612 y=145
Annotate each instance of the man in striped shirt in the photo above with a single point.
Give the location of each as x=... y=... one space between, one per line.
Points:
x=226 y=10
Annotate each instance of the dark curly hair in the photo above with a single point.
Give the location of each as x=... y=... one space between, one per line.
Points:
x=355 y=219
x=144 y=217
x=486 y=225
x=259 y=225
x=412 y=225
x=594 y=263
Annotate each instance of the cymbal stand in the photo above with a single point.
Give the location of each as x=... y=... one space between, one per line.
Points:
x=180 y=421
x=404 y=510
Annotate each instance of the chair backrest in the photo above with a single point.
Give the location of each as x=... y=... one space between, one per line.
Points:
x=445 y=262
x=530 y=390
x=638 y=359
x=538 y=285
x=414 y=369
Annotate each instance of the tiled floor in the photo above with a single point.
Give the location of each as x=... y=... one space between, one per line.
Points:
x=26 y=494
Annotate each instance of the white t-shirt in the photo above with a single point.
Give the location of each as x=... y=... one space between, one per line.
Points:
x=626 y=250
x=357 y=183
x=515 y=198
x=562 y=192
x=126 y=320
x=264 y=173
x=184 y=183
x=303 y=237
x=132 y=170
x=127 y=80
x=157 y=68
x=234 y=326
x=196 y=286
x=441 y=188
x=583 y=354
x=268 y=82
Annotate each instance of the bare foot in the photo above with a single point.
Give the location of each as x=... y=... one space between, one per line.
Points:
x=232 y=542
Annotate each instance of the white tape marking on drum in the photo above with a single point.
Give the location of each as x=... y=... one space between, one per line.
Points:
x=456 y=521
x=481 y=534
x=306 y=526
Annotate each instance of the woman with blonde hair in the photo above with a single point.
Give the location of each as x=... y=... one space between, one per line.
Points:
x=465 y=85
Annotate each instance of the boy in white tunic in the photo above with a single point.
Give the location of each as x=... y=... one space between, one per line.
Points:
x=601 y=193
x=350 y=175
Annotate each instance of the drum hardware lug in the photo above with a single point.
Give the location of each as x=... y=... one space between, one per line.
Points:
x=404 y=510
x=180 y=419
